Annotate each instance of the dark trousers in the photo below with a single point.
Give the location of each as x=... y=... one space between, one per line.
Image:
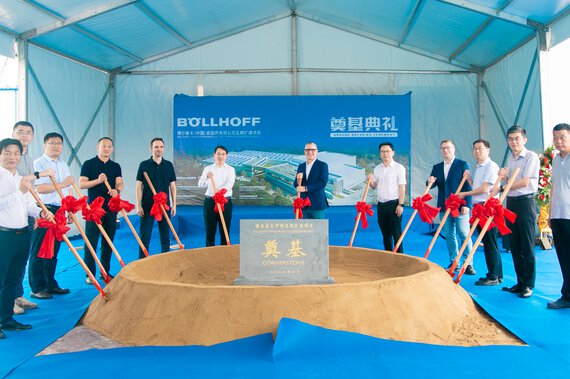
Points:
x=522 y=239
x=41 y=271
x=20 y=292
x=213 y=220
x=145 y=231
x=390 y=224
x=109 y=224
x=561 y=234
x=16 y=247
x=492 y=255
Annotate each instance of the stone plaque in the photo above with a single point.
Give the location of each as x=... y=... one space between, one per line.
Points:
x=284 y=252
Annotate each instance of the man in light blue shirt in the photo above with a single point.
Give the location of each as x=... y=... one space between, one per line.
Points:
x=41 y=272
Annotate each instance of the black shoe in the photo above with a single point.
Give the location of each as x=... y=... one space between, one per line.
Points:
x=558 y=304
x=470 y=270
x=2 y=335
x=487 y=282
x=58 y=291
x=525 y=292
x=44 y=295
x=15 y=325
x=103 y=278
x=514 y=289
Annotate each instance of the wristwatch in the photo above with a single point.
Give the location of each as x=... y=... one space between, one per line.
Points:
x=37 y=175
x=401 y=204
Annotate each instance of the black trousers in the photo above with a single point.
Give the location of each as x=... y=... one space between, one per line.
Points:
x=145 y=231
x=15 y=250
x=41 y=271
x=561 y=234
x=390 y=224
x=213 y=220
x=109 y=224
x=492 y=255
x=522 y=239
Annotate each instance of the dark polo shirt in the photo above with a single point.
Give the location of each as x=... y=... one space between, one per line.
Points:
x=161 y=175
x=92 y=168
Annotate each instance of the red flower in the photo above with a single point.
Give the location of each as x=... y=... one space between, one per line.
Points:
x=541 y=196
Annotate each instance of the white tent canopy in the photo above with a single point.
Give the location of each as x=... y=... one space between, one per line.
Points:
x=98 y=67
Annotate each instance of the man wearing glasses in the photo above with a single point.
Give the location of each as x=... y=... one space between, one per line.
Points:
x=447 y=176
x=486 y=174
x=389 y=178
x=41 y=273
x=313 y=176
x=520 y=200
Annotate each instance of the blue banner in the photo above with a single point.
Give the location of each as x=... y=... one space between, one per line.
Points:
x=265 y=136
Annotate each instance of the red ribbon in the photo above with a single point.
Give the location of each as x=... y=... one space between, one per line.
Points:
x=116 y=204
x=55 y=231
x=426 y=211
x=481 y=212
x=219 y=198
x=94 y=211
x=453 y=203
x=159 y=199
x=299 y=204
x=73 y=205
x=499 y=212
x=364 y=209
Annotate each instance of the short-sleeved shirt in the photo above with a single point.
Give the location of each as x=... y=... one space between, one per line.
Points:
x=486 y=172
x=26 y=164
x=388 y=180
x=92 y=168
x=529 y=164
x=560 y=201
x=161 y=175
x=62 y=171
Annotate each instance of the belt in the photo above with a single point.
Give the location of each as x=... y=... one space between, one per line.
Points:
x=388 y=202
x=210 y=197
x=521 y=197
x=17 y=231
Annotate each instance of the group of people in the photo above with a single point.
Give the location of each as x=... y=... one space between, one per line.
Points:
x=102 y=177
x=389 y=179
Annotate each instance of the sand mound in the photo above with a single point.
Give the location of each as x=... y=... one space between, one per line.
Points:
x=187 y=298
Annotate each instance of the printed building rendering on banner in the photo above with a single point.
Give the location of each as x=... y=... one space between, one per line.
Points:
x=265 y=137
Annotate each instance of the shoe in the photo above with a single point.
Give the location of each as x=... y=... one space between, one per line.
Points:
x=41 y=295
x=58 y=291
x=25 y=303
x=525 y=292
x=15 y=325
x=18 y=310
x=470 y=270
x=2 y=335
x=558 y=304
x=103 y=278
x=514 y=289
x=88 y=281
x=487 y=282
x=500 y=280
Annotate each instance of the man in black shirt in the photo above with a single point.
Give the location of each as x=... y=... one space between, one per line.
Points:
x=94 y=172
x=163 y=178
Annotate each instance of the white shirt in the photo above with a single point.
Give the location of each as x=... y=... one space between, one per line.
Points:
x=62 y=171
x=446 y=168
x=224 y=177
x=14 y=205
x=308 y=168
x=388 y=180
x=486 y=172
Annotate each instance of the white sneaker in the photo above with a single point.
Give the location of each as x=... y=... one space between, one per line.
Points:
x=18 y=310
x=24 y=303
x=88 y=280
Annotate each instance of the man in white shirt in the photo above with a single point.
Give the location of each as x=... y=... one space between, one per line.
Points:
x=41 y=271
x=16 y=205
x=486 y=174
x=224 y=177
x=389 y=180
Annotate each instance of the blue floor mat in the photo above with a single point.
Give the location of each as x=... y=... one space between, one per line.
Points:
x=303 y=350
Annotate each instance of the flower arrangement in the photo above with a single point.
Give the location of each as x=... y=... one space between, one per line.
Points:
x=544 y=176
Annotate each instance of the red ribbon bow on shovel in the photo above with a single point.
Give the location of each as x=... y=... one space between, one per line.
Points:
x=159 y=199
x=55 y=231
x=219 y=198
x=299 y=204
x=364 y=209
x=116 y=204
x=453 y=203
x=94 y=211
x=427 y=212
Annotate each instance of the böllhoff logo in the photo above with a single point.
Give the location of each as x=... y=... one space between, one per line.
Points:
x=195 y=122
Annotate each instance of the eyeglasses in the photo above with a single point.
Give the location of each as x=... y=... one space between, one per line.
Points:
x=385 y=151
x=446 y=147
x=515 y=139
x=479 y=148
x=54 y=143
